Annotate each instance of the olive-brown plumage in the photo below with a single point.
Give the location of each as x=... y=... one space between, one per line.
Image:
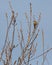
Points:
x=35 y=24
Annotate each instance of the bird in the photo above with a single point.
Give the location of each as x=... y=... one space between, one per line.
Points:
x=35 y=23
x=13 y=18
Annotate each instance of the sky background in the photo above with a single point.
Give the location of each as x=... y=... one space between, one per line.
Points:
x=22 y=6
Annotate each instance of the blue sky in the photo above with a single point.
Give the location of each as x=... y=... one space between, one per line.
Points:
x=22 y=6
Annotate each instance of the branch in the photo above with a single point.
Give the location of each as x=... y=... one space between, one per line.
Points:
x=42 y=54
